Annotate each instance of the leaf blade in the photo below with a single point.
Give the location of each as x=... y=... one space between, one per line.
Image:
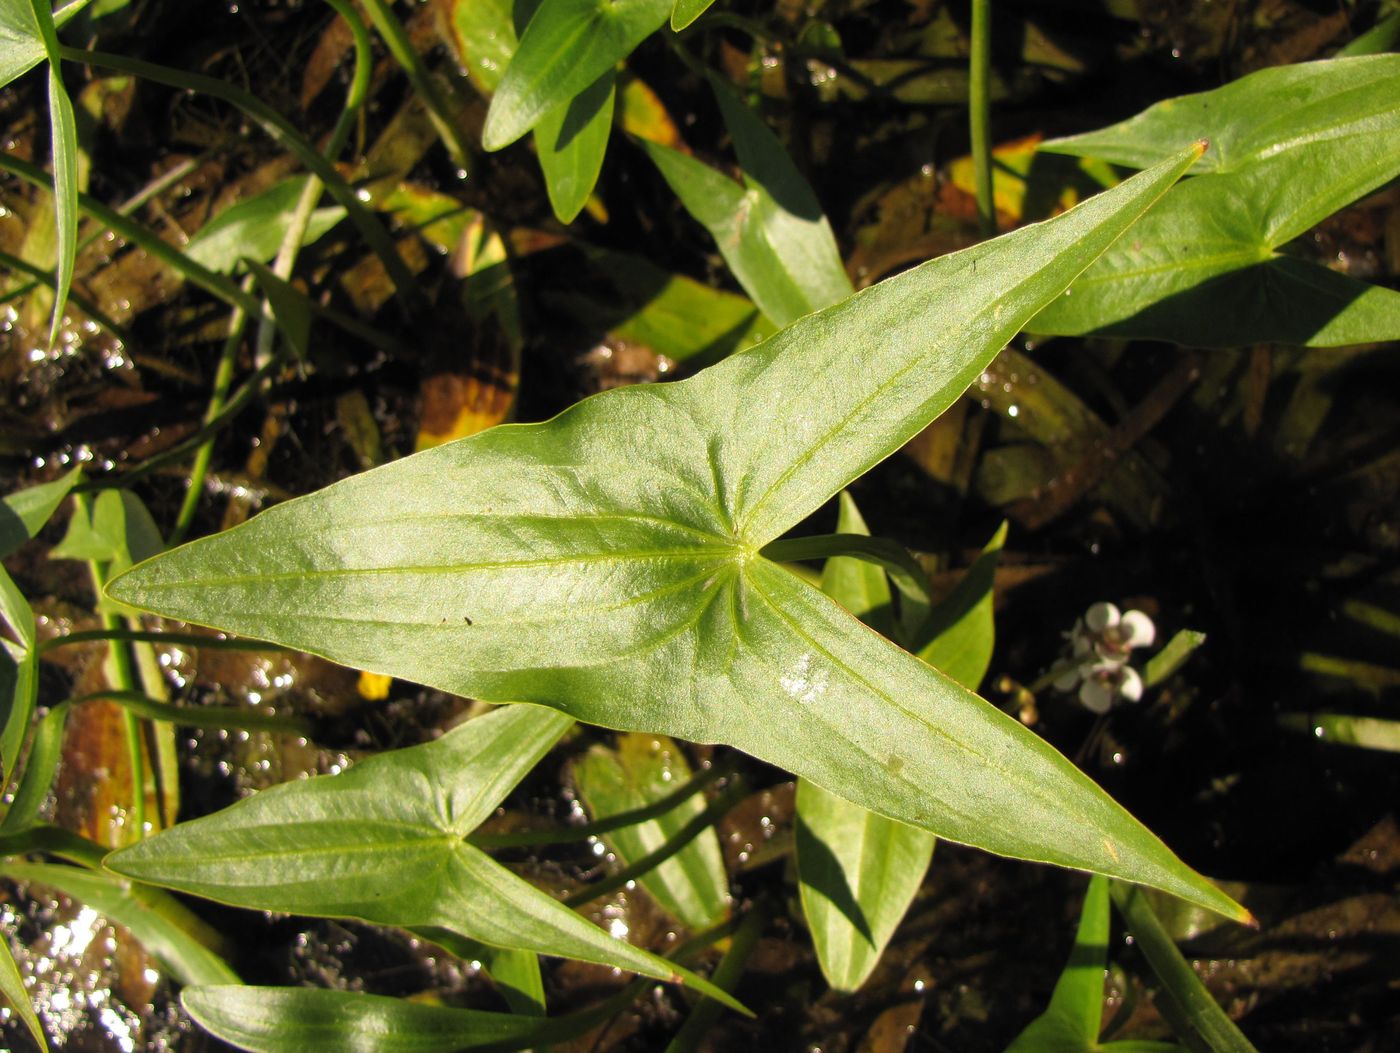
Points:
x=571 y=140
x=567 y=46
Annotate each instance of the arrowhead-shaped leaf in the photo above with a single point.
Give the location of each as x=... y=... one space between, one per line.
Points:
x=608 y=562
x=24 y=512
x=1208 y=267
x=385 y=843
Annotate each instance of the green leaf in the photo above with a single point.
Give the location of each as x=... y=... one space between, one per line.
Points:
x=384 y=843
x=24 y=513
x=1194 y=1015
x=771 y=231
x=485 y=35
x=22 y=44
x=607 y=563
x=571 y=140
x=116 y=528
x=1171 y=657
x=40 y=768
x=19 y=691
x=692 y=885
x=304 y=1020
x=164 y=926
x=290 y=309
x=961 y=631
x=64 y=132
x=687 y=11
x=1210 y=265
x=1070 y=1024
x=516 y=974
x=1368 y=732
x=1267 y=113
x=566 y=47
x=858 y=871
x=15 y=611
x=255 y=227
x=13 y=989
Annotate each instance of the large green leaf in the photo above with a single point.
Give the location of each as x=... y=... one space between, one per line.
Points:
x=1210 y=266
x=164 y=926
x=304 y=1020
x=692 y=885
x=385 y=843
x=608 y=562
x=770 y=231
x=566 y=47
x=571 y=140
x=24 y=512
x=1070 y=1024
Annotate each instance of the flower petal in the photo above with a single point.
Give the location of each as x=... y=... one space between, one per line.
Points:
x=1137 y=630
x=1101 y=616
x=1097 y=696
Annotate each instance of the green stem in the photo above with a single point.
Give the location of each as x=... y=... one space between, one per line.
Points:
x=979 y=114
x=147 y=636
x=559 y=835
x=123 y=677
x=56 y=842
x=713 y=813
x=903 y=568
x=218 y=398
x=726 y=977
x=391 y=29
x=213 y=717
x=1194 y=1015
x=279 y=128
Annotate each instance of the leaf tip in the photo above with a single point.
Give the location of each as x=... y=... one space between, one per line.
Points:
x=1201 y=146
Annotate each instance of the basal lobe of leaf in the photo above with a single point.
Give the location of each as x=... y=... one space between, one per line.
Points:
x=598 y=559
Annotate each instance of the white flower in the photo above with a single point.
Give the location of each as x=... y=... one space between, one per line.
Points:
x=1100 y=645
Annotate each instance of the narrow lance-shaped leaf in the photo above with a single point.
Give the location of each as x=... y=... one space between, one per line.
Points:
x=384 y=843
x=571 y=140
x=304 y=1020
x=692 y=885
x=608 y=562
x=1070 y=1024
x=1211 y=265
x=566 y=47
x=770 y=231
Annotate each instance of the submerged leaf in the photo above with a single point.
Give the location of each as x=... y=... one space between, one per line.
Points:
x=607 y=562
